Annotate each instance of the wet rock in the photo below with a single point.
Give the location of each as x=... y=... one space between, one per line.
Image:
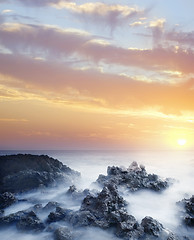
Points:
x=7 y=199
x=23 y=172
x=134 y=178
x=30 y=222
x=63 y=233
x=188 y=211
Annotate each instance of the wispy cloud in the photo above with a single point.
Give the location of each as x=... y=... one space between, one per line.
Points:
x=13 y=120
x=33 y=39
x=101 y=13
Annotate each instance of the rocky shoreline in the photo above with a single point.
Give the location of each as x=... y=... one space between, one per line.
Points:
x=105 y=209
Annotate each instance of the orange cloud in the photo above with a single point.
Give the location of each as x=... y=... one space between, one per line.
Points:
x=123 y=92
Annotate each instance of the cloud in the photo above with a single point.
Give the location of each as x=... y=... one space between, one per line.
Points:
x=101 y=13
x=47 y=41
x=112 y=15
x=40 y=3
x=7 y=11
x=157 y=28
x=182 y=38
x=123 y=93
x=24 y=37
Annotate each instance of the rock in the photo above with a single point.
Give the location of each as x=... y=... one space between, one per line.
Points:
x=152 y=226
x=58 y=215
x=74 y=194
x=107 y=210
x=50 y=206
x=63 y=233
x=155 y=230
x=23 y=172
x=82 y=219
x=12 y=218
x=188 y=211
x=7 y=199
x=134 y=178
x=30 y=222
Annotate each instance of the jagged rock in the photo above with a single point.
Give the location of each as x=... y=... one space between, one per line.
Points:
x=23 y=172
x=58 y=215
x=152 y=226
x=63 y=233
x=30 y=222
x=12 y=218
x=188 y=212
x=50 y=206
x=108 y=211
x=75 y=194
x=155 y=230
x=134 y=178
x=7 y=199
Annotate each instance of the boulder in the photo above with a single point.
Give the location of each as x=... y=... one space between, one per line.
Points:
x=7 y=199
x=23 y=172
x=134 y=178
x=63 y=233
x=152 y=226
x=58 y=215
x=155 y=230
x=30 y=222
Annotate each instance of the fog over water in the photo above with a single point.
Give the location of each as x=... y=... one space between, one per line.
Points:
x=177 y=165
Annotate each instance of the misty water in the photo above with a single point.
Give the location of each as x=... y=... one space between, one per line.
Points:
x=178 y=165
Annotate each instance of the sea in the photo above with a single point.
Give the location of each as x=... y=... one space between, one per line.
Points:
x=176 y=165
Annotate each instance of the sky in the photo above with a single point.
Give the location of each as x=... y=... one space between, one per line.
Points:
x=96 y=74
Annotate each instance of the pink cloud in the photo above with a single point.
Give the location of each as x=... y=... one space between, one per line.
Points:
x=48 y=41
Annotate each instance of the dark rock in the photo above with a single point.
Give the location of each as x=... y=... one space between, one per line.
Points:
x=12 y=218
x=82 y=219
x=155 y=230
x=74 y=194
x=58 y=215
x=23 y=172
x=63 y=233
x=7 y=199
x=30 y=222
x=134 y=178
x=152 y=226
x=188 y=211
x=50 y=206
x=107 y=210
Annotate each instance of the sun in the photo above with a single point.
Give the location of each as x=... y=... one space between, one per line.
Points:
x=181 y=142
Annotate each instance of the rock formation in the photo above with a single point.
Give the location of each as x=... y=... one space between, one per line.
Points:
x=134 y=178
x=25 y=172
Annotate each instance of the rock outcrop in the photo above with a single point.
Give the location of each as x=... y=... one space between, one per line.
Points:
x=187 y=214
x=23 y=172
x=134 y=178
x=7 y=199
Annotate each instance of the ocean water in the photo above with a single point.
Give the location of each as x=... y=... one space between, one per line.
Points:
x=178 y=165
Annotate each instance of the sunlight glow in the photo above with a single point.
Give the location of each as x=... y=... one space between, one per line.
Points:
x=181 y=142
